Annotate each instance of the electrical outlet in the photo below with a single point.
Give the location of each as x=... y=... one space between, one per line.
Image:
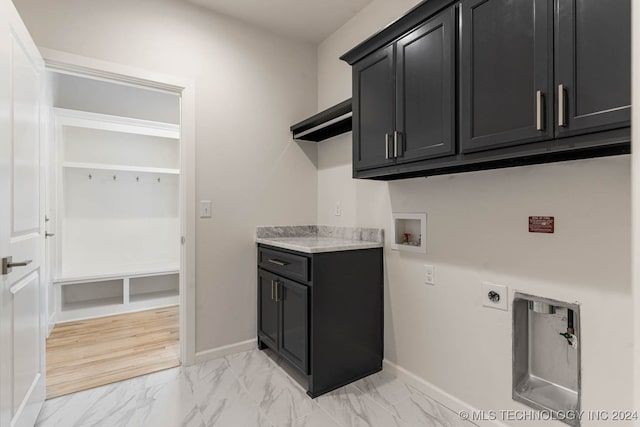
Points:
x=495 y=296
x=338 y=209
x=429 y=274
x=205 y=208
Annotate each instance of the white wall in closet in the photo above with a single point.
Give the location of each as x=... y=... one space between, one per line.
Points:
x=118 y=183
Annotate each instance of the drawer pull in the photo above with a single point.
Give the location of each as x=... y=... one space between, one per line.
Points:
x=278 y=262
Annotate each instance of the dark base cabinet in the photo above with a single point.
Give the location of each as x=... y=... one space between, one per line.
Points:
x=323 y=313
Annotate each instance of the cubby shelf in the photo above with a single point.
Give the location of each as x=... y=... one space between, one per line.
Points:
x=143 y=272
x=106 y=122
x=120 y=168
x=86 y=297
x=117 y=249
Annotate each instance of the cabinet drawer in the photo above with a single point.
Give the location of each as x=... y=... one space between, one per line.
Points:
x=283 y=263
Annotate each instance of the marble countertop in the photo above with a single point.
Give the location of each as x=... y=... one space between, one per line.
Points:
x=317 y=239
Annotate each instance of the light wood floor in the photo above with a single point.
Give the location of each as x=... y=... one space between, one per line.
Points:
x=91 y=353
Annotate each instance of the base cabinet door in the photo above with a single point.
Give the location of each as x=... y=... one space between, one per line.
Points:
x=593 y=65
x=294 y=323
x=267 y=309
x=505 y=73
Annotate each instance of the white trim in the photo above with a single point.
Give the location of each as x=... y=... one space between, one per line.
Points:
x=24 y=282
x=51 y=324
x=104 y=277
x=119 y=168
x=25 y=401
x=225 y=350
x=114 y=310
x=397 y=246
x=98 y=121
x=98 y=69
x=83 y=66
x=436 y=393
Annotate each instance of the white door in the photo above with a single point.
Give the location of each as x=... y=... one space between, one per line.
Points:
x=22 y=309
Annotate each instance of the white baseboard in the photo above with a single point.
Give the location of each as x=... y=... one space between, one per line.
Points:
x=215 y=353
x=436 y=393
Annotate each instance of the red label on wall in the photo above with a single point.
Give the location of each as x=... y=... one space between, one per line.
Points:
x=542 y=224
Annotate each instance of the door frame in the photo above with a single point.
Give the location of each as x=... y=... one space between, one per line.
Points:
x=83 y=66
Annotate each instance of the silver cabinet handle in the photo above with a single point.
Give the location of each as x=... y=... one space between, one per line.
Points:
x=273 y=286
x=8 y=264
x=386 y=146
x=395 y=143
x=539 y=119
x=278 y=262
x=562 y=122
x=277 y=287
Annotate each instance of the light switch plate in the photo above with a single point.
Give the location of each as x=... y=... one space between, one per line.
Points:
x=499 y=293
x=429 y=275
x=205 y=208
x=338 y=209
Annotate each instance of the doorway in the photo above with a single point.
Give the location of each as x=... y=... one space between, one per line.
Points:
x=113 y=231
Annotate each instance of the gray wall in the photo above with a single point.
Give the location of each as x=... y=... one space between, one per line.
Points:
x=477 y=231
x=250 y=87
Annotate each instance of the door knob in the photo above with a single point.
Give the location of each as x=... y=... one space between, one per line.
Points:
x=46 y=235
x=8 y=264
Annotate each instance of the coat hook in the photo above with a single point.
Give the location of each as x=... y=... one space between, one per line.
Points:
x=158 y=179
x=137 y=179
x=115 y=177
x=90 y=176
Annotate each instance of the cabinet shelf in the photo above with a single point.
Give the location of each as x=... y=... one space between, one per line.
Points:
x=331 y=122
x=149 y=296
x=98 y=302
x=120 y=168
x=70 y=279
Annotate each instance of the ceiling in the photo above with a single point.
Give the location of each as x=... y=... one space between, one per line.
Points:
x=310 y=20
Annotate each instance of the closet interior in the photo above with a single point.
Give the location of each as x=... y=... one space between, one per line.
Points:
x=113 y=206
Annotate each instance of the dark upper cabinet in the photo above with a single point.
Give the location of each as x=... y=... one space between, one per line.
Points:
x=592 y=65
x=373 y=111
x=403 y=108
x=267 y=308
x=294 y=323
x=505 y=73
x=425 y=90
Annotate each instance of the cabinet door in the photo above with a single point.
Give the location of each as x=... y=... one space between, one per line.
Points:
x=294 y=322
x=373 y=110
x=267 y=309
x=593 y=65
x=425 y=90
x=505 y=73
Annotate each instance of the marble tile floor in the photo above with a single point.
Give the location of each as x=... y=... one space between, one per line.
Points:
x=249 y=389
